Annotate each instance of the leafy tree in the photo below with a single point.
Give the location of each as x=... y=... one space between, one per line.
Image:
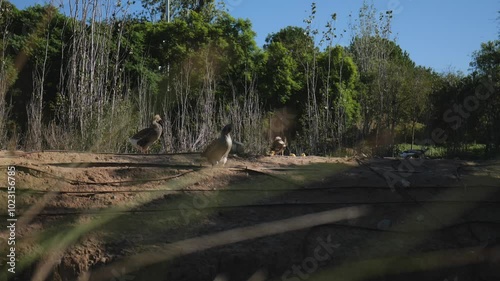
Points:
x=279 y=76
x=38 y=34
x=338 y=79
x=235 y=41
x=486 y=65
x=486 y=61
x=282 y=73
x=372 y=49
x=294 y=38
x=411 y=104
x=8 y=72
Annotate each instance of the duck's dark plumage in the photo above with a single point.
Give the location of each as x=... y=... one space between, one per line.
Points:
x=143 y=139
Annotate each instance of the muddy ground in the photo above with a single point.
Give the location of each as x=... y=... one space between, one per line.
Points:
x=83 y=216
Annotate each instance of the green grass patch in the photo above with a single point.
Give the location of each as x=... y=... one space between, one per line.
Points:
x=465 y=151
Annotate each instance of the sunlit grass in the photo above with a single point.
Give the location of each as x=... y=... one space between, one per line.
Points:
x=474 y=151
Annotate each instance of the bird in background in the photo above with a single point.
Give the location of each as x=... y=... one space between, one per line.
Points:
x=143 y=139
x=217 y=151
x=278 y=146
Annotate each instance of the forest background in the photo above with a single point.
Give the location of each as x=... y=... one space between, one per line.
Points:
x=86 y=76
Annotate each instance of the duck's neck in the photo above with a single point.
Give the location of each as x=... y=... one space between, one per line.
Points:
x=156 y=125
x=226 y=137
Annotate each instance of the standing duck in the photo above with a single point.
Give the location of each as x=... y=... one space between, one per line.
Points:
x=219 y=148
x=278 y=146
x=143 y=139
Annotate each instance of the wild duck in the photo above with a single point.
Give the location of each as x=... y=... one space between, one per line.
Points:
x=143 y=139
x=237 y=148
x=216 y=152
x=278 y=146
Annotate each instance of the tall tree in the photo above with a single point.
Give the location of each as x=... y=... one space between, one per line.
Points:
x=8 y=73
x=280 y=79
x=486 y=64
x=339 y=107
x=384 y=69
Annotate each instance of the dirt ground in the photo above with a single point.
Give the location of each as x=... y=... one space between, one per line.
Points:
x=84 y=216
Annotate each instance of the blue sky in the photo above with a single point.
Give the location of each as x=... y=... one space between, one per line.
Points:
x=441 y=34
